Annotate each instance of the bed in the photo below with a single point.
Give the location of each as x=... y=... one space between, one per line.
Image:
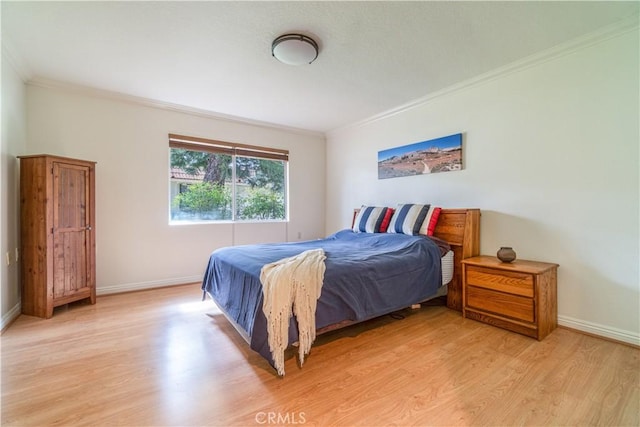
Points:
x=367 y=275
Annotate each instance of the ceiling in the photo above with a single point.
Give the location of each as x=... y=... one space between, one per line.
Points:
x=216 y=56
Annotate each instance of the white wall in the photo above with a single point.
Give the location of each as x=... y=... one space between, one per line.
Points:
x=136 y=247
x=14 y=139
x=551 y=157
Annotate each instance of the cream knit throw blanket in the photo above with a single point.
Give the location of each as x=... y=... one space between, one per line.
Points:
x=297 y=282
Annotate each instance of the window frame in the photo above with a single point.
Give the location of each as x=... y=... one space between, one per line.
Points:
x=233 y=149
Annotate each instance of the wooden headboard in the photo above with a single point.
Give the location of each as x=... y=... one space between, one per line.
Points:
x=461 y=229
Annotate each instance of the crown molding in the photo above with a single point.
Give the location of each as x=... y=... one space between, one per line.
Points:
x=608 y=32
x=46 y=83
x=16 y=60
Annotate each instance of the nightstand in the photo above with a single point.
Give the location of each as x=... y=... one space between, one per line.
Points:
x=519 y=296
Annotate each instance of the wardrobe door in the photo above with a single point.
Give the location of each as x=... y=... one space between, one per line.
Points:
x=71 y=232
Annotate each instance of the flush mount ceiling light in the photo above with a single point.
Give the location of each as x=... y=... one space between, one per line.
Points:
x=294 y=49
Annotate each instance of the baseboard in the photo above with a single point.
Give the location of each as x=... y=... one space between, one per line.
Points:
x=129 y=287
x=566 y=321
x=10 y=316
x=600 y=330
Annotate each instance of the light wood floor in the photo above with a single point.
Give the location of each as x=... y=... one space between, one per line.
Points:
x=163 y=357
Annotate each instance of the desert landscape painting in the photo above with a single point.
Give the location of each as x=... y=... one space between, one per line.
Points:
x=435 y=155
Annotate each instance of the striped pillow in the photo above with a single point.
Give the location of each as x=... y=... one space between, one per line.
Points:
x=372 y=219
x=430 y=221
x=408 y=219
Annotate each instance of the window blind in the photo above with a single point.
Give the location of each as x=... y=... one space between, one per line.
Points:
x=213 y=146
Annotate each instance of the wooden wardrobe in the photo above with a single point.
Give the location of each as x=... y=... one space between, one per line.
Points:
x=57 y=217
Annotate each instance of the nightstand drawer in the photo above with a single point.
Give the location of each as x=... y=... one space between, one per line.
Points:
x=504 y=281
x=514 y=306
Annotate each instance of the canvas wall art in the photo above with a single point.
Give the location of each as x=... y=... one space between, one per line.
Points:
x=435 y=155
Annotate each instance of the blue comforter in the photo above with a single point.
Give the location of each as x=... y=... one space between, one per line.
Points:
x=367 y=275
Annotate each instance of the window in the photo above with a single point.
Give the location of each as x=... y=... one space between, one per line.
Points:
x=221 y=181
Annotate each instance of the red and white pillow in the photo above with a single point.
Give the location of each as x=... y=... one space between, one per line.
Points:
x=430 y=221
